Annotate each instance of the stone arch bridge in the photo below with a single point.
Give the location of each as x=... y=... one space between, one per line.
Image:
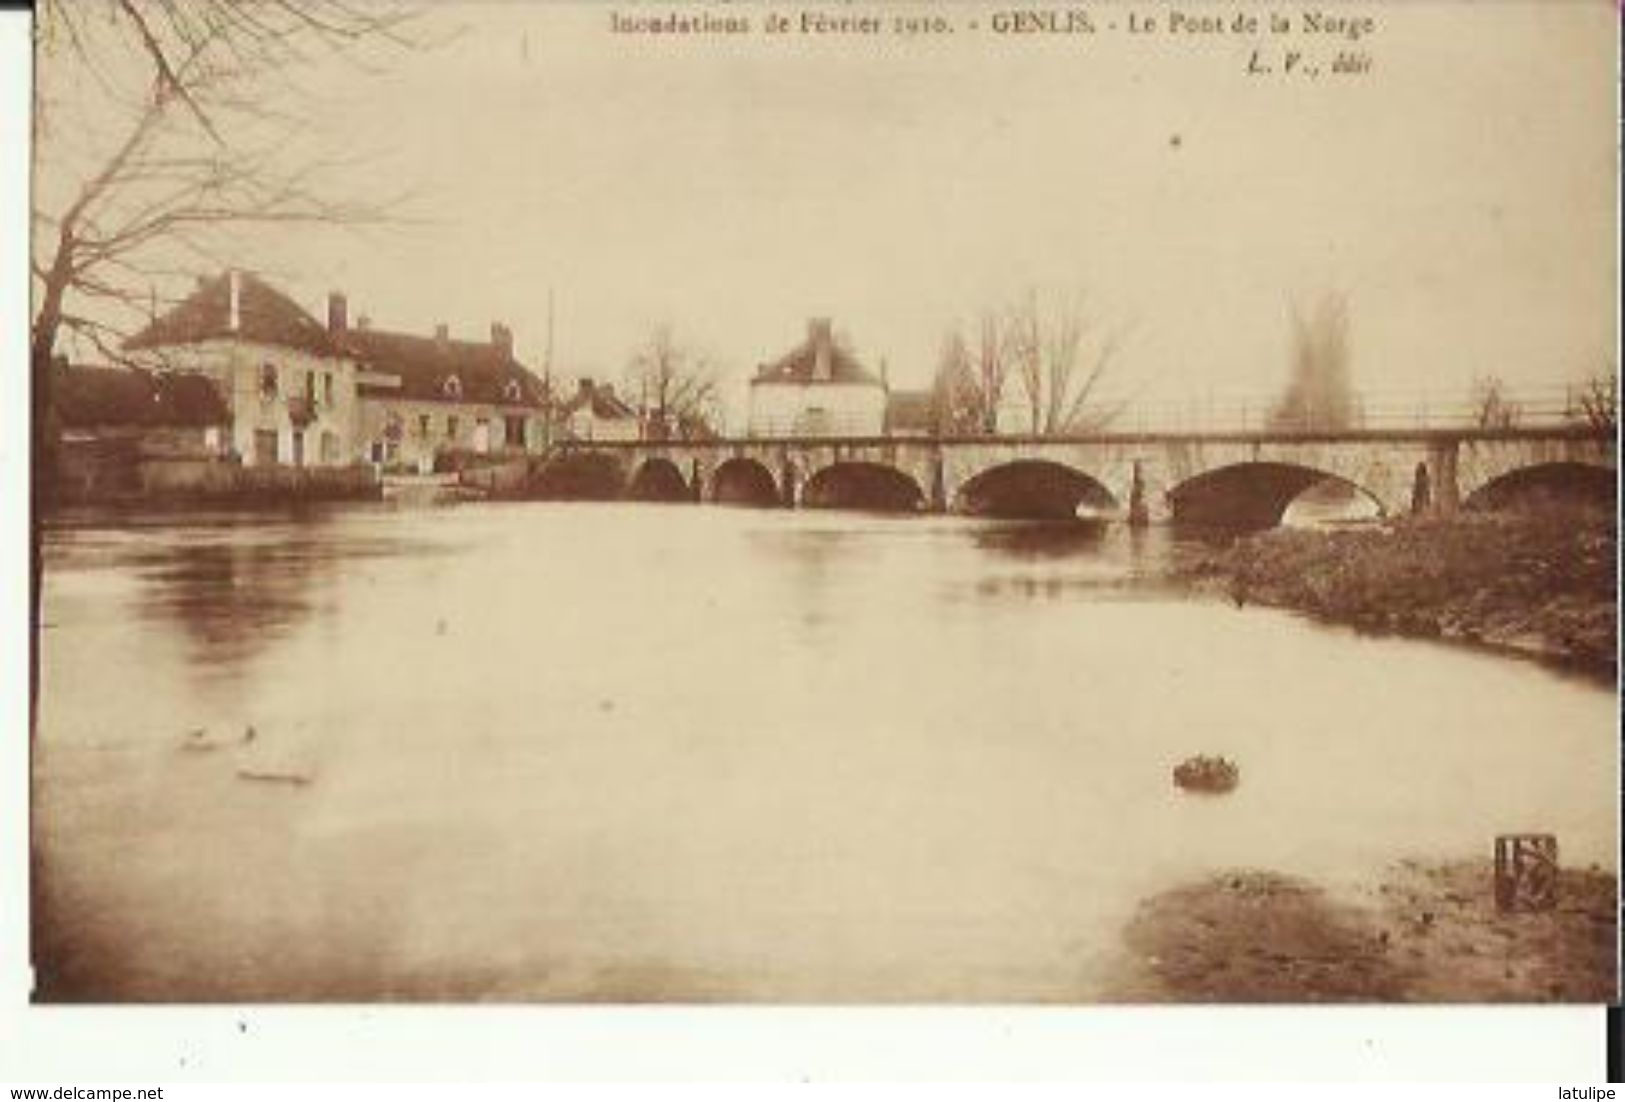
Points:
x=1247 y=478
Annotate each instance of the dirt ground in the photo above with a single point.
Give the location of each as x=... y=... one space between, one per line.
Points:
x=1423 y=933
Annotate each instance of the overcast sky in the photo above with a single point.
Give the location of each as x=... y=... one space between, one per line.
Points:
x=1461 y=195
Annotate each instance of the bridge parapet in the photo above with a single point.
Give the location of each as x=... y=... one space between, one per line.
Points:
x=1396 y=468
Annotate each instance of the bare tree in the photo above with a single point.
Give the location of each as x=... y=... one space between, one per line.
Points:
x=992 y=369
x=1492 y=409
x=163 y=126
x=964 y=392
x=1319 y=393
x=160 y=126
x=673 y=387
x=1598 y=400
x=1059 y=364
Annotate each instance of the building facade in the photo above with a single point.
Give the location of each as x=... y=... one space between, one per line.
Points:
x=289 y=387
x=428 y=402
x=301 y=393
x=596 y=412
x=817 y=389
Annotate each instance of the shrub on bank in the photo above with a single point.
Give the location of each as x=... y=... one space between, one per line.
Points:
x=1540 y=579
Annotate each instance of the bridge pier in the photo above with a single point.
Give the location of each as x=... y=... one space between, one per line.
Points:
x=1139 y=512
x=937 y=495
x=1445 y=489
x=789 y=485
x=1436 y=487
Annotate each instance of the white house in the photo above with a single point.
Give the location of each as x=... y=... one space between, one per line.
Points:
x=596 y=412
x=817 y=389
x=289 y=386
x=426 y=398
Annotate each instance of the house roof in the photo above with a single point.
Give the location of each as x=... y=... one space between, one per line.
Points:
x=264 y=314
x=424 y=365
x=798 y=366
x=605 y=404
x=485 y=373
x=115 y=397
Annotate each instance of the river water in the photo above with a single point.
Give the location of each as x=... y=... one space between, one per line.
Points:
x=625 y=752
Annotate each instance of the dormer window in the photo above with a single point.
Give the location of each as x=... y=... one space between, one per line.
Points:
x=453 y=387
x=513 y=391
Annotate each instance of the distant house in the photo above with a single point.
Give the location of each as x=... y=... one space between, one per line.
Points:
x=301 y=393
x=422 y=397
x=817 y=389
x=182 y=411
x=596 y=412
x=115 y=422
x=911 y=413
x=139 y=414
x=289 y=387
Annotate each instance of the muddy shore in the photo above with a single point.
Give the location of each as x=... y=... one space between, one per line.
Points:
x=1539 y=582
x=1423 y=932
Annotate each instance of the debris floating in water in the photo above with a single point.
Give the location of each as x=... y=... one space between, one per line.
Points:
x=1207 y=774
x=262 y=760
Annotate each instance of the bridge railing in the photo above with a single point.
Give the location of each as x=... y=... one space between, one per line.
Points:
x=1530 y=407
x=1549 y=406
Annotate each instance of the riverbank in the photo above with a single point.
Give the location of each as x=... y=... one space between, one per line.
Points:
x=1539 y=581
x=1421 y=933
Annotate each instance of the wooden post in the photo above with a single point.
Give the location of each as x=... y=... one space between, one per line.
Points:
x=1525 y=872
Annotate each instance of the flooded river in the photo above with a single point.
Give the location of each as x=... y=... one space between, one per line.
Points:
x=623 y=752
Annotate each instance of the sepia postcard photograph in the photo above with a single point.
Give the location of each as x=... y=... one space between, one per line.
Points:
x=839 y=503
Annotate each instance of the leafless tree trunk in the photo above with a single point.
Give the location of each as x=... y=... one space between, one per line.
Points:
x=1319 y=393
x=674 y=388
x=1492 y=409
x=1599 y=401
x=956 y=407
x=969 y=382
x=177 y=137
x=992 y=370
x=1060 y=364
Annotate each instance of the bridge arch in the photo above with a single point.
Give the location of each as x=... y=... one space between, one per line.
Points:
x=658 y=479
x=744 y=481
x=581 y=476
x=1035 y=489
x=1564 y=481
x=873 y=487
x=1252 y=494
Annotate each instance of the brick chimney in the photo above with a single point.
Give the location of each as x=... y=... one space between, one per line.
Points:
x=502 y=339
x=338 y=312
x=818 y=336
x=442 y=334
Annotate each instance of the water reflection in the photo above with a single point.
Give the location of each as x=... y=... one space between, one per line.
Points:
x=235 y=584
x=625 y=751
x=1042 y=539
x=233 y=600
